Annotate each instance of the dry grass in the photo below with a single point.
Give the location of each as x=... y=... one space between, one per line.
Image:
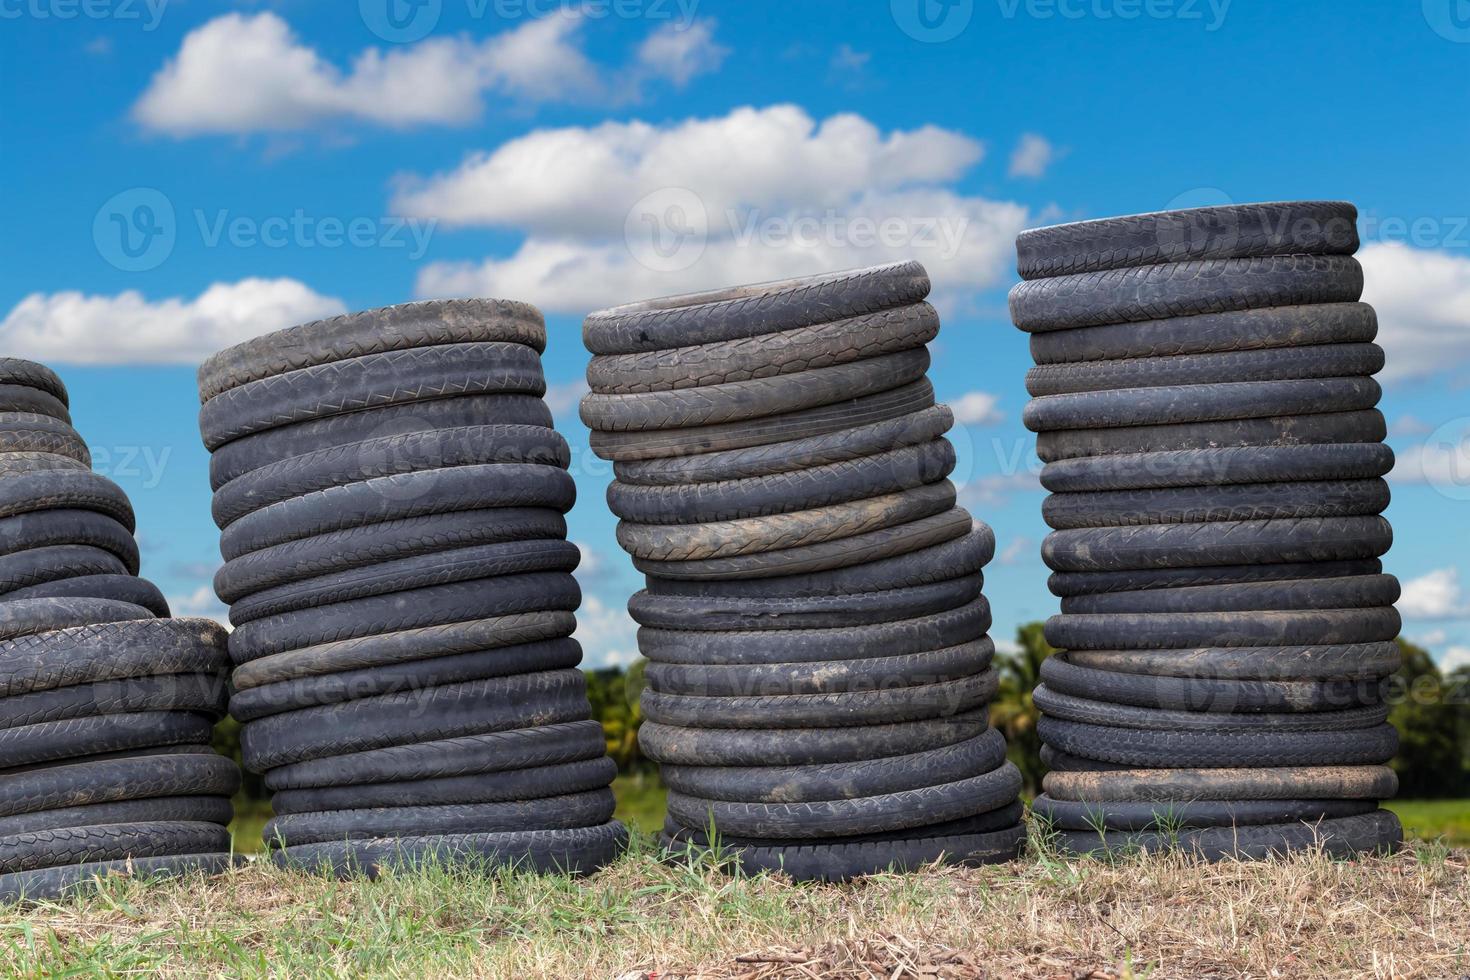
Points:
x=1408 y=916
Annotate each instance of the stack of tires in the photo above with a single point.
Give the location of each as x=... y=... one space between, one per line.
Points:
x=106 y=705
x=820 y=672
x=391 y=495
x=1205 y=407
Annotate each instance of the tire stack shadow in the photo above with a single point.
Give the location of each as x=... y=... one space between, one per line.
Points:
x=820 y=670
x=391 y=495
x=1206 y=410
x=107 y=704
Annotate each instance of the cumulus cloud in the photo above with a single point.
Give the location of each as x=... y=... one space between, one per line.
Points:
x=201 y=602
x=976 y=408
x=126 y=328
x=1436 y=595
x=1032 y=156
x=1423 y=303
x=608 y=635
x=630 y=209
x=1454 y=658
x=242 y=73
x=564 y=397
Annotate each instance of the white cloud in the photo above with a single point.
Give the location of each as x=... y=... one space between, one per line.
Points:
x=564 y=398
x=1442 y=461
x=996 y=489
x=242 y=73
x=201 y=602
x=754 y=195
x=1423 y=303
x=1409 y=425
x=1436 y=595
x=74 y=328
x=976 y=408
x=1454 y=658
x=608 y=635
x=1019 y=549
x=1032 y=155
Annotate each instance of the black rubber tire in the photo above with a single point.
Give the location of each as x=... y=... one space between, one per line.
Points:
x=786 y=352
x=1353 y=661
x=146 y=749
x=1219 y=749
x=1222 y=232
x=1219 y=467
x=485 y=561
x=1097 y=707
x=234 y=459
x=824 y=677
x=271 y=699
x=1183 y=289
x=12 y=462
x=810 y=423
x=1158 y=631
x=488 y=751
x=1238 y=698
x=1198 y=505
x=371 y=381
x=840 y=446
x=104 y=651
x=1002 y=818
x=355 y=462
x=704 y=746
x=825 y=818
x=704 y=613
x=339 y=551
x=965 y=555
x=28 y=432
x=51 y=742
x=581 y=851
x=780 y=532
x=503 y=786
x=844 y=862
x=822 y=486
x=37 y=566
x=199 y=773
x=1165 y=818
x=749 y=311
x=1343 y=592
x=25 y=617
x=405 y=646
x=1373 y=833
x=1187 y=404
x=1232 y=367
x=1299 y=430
x=27 y=492
x=416 y=716
x=944 y=699
x=439 y=605
x=18 y=371
x=50 y=528
x=82 y=845
x=1065 y=584
x=118 y=587
x=21 y=398
x=735 y=647
x=400 y=497
x=551 y=813
x=201 y=693
x=54 y=883
x=843 y=781
x=423 y=324
x=758 y=398
x=192 y=809
x=1186 y=785
x=858 y=549
x=1217 y=543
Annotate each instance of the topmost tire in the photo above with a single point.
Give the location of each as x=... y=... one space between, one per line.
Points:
x=29 y=374
x=377 y=331
x=749 y=311
x=1238 y=231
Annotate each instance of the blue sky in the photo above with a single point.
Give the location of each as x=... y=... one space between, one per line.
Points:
x=273 y=162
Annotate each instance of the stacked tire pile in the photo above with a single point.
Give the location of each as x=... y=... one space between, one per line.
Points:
x=1206 y=411
x=391 y=496
x=820 y=672
x=106 y=705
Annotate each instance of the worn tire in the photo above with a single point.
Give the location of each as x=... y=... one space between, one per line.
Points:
x=1184 y=785
x=1219 y=467
x=53 y=528
x=1344 y=592
x=62 y=882
x=1097 y=707
x=1066 y=584
x=1191 y=404
x=1233 y=367
x=1167 y=818
x=1217 y=543
x=1373 y=833
x=1321 y=499
x=702 y=613
x=1219 y=749
x=1352 y=661
x=1299 y=430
